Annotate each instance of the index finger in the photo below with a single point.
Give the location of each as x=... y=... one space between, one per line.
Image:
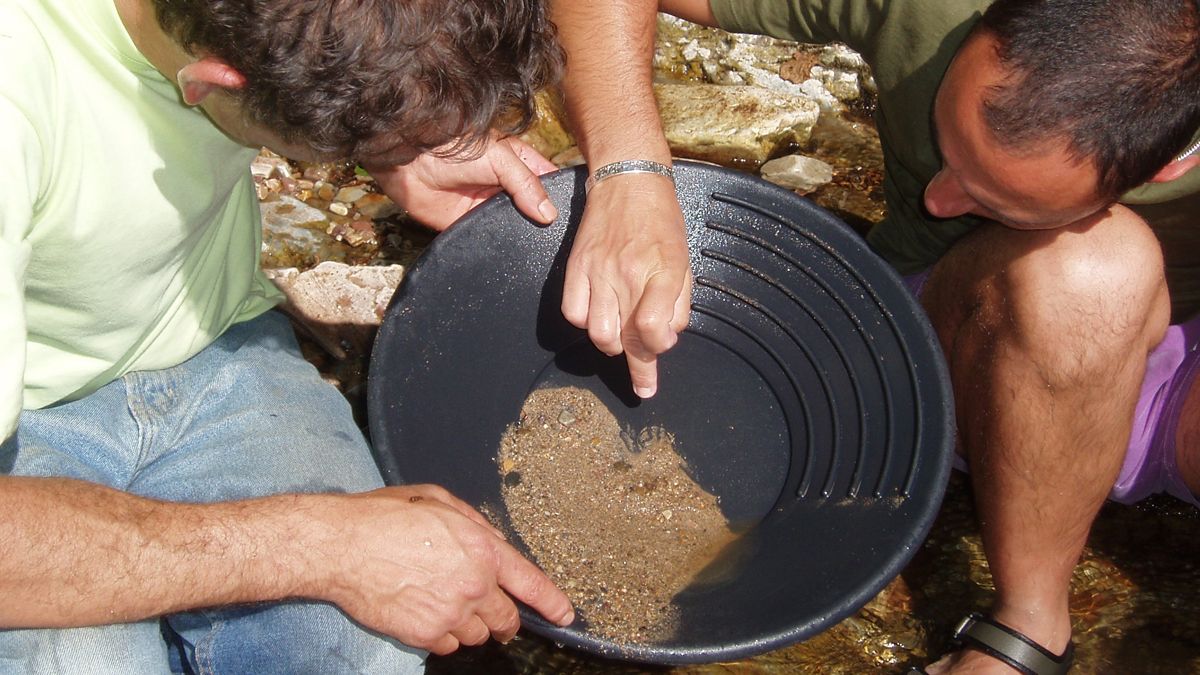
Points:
x=525 y=582
x=652 y=330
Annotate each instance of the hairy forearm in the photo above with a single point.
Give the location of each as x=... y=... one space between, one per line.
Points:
x=75 y=553
x=610 y=98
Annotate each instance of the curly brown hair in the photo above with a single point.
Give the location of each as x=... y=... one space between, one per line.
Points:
x=345 y=76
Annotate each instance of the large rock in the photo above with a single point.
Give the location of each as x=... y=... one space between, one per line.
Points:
x=833 y=75
x=339 y=305
x=733 y=125
x=293 y=232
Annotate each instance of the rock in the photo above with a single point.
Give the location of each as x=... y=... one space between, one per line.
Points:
x=549 y=134
x=340 y=305
x=729 y=125
x=572 y=156
x=290 y=219
x=842 y=84
x=269 y=165
x=797 y=172
x=358 y=232
x=350 y=194
x=689 y=52
x=799 y=68
x=374 y=205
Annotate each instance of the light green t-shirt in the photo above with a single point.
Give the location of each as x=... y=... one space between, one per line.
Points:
x=909 y=45
x=129 y=227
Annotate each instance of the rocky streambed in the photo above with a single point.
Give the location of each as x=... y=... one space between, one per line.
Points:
x=800 y=116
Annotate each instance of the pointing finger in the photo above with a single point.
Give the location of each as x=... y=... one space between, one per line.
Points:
x=525 y=582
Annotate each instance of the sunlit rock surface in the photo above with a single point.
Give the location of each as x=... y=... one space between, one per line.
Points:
x=830 y=75
x=733 y=125
x=550 y=135
x=339 y=304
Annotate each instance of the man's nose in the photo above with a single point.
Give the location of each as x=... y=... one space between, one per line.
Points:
x=945 y=198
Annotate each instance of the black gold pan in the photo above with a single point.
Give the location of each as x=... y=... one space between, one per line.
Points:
x=808 y=393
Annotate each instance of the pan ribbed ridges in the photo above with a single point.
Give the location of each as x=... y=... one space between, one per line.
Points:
x=867 y=410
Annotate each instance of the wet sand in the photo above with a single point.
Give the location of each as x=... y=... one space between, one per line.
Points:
x=610 y=514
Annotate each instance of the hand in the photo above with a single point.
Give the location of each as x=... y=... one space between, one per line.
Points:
x=628 y=279
x=437 y=191
x=420 y=565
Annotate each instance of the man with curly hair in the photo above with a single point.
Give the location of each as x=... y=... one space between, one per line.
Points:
x=180 y=489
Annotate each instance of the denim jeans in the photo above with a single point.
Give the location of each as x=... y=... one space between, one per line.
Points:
x=246 y=417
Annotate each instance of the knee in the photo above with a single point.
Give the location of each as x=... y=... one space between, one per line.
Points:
x=1074 y=300
x=1102 y=284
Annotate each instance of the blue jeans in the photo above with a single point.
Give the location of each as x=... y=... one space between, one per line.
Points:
x=246 y=417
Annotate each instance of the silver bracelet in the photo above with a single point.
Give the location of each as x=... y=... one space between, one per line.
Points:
x=627 y=166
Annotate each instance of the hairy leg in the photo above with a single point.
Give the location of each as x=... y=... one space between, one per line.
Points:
x=1046 y=334
x=1176 y=224
x=1187 y=440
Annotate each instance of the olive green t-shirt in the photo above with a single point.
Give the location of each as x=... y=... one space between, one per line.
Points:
x=909 y=45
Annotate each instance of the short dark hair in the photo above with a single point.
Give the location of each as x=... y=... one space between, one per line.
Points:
x=1119 y=79
x=342 y=76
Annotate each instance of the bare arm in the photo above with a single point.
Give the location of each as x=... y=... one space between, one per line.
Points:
x=696 y=11
x=412 y=562
x=75 y=554
x=628 y=278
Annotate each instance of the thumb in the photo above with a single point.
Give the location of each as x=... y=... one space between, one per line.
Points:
x=517 y=166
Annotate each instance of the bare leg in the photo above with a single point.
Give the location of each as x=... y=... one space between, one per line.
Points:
x=1187 y=439
x=1046 y=334
x=1177 y=224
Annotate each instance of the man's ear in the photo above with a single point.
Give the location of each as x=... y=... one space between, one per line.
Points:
x=1176 y=168
x=200 y=78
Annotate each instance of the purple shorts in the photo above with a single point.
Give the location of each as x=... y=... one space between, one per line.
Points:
x=1150 y=465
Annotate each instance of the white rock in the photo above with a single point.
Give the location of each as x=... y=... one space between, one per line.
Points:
x=269 y=166
x=337 y=293
x=838 y=55
x=842 y=84
x=797 y=172
x=338 y=303
x=288 y=216
x=350 y=194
